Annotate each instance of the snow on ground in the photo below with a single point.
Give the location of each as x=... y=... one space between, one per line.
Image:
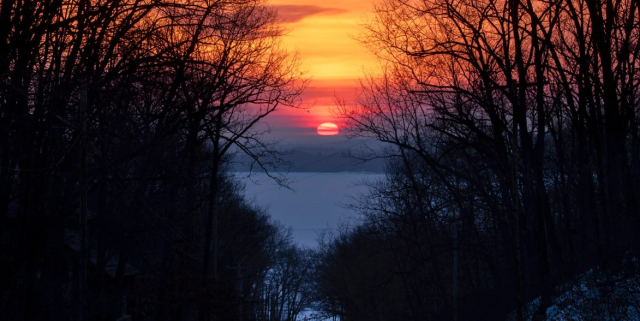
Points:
x=595 y=295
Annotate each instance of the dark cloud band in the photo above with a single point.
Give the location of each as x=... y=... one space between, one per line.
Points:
x=295 y=13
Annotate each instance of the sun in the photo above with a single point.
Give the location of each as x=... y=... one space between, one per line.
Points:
x=328 y=129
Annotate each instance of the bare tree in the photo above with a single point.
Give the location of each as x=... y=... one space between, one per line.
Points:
x=501 y=105
x=171 y=86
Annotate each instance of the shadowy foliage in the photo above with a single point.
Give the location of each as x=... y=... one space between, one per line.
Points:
x=117 y=119
x=513 y=134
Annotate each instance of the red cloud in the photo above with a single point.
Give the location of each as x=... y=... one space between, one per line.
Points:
x=325 y=92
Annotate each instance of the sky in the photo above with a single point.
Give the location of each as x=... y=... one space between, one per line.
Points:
x=324 y=35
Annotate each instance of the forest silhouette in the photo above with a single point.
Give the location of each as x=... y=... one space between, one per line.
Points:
x=512 y=162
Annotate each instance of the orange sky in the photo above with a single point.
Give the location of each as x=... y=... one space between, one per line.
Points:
x=323 y=35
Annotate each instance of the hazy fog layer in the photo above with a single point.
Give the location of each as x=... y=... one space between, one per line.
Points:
x=316 y=204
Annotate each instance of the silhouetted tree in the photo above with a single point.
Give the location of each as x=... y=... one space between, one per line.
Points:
x=501 y=125
x=116 y=122
x=289 y=286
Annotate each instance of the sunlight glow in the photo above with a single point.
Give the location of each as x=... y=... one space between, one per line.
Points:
x=328 y=129
x=324 y=36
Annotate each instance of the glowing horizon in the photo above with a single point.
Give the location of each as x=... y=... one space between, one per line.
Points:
x=323 y=35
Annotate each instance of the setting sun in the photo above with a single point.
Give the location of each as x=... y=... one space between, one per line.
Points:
x=328 y=129
x=324 y=36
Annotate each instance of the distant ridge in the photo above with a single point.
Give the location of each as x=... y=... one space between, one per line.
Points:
x=331 y=158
